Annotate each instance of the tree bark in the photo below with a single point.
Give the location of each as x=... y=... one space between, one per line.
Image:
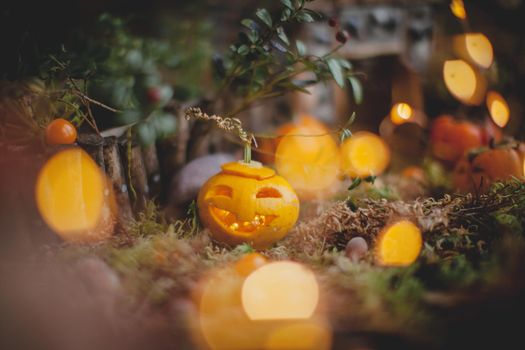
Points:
x=151 y=164
x=93 y=144
x=135 y=176
x=115 y=173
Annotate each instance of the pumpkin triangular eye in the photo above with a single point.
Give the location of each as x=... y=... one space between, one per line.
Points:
x=222 y=190
x=268 y=192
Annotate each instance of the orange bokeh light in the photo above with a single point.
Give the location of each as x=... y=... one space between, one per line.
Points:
x=458 y=9
x=224 y=296
x=399 y=244
x=300 y=335
x=308 y=157
x=74 y=198
x=463 y=82
x=498 y=109
x=475 y=48
x=280 y=290
x=364 y=154
x=400 y=113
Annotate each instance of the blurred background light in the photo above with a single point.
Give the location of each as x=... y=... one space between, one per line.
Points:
x=498 y=108
x=399 y=244
x=280 y=290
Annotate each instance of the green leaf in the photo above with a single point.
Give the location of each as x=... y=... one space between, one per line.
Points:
x=305 y=17
x=344 y=63
x=357 y=89
x=286 y=15
x=288 y=3
x=253 y=36
x=355 y=183
x=146 y=133
x=370 y=179
x=243 y=248
x=294 y=86
x=282 y=35
x=264 y=16
x=243 y=50
x=278 y=46
x=337 y=71
x=248 y=23
x=165 y=124
x=351 y=204
x=301 y=49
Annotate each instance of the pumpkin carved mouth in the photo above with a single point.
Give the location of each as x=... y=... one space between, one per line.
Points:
x=230 y=220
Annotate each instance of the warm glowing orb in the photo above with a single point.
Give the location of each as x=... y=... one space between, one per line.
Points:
x=460 y=79
x=498 y=108
x=308 y=157
x=364 y=154
x=458 y=9
x=400 y=113
x=399 y=244
x=310 y=335
x=70 y=195
x=280 y=290
x=479 y=49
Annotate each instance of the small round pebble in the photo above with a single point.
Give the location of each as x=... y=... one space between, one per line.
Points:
x=356 y=249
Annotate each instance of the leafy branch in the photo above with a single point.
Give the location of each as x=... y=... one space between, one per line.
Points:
x=264 y=63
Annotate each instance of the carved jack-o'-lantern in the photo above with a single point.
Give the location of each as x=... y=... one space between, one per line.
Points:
x=247 y=202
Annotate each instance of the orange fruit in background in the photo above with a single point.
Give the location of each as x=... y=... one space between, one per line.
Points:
x=451 y=138
x=250 y=262
x=60 y=132
x=414 y=172
x=490 y=131
x=479 y=172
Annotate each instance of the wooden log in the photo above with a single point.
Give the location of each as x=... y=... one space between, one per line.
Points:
x=151 y=164
x=135 y=175
x=171 y=152
x=116 y=175
x=93 y=144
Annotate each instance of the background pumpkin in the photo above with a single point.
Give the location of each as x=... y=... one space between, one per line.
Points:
x=451 y=138
x=480 y=171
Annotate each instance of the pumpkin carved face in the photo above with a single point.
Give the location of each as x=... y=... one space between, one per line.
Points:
x=248 y=203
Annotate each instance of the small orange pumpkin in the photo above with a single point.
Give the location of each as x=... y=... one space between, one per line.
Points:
x=477 y=173
x=248 y=203
x=451 y=138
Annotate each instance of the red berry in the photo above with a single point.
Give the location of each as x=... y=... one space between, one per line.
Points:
x=341 y=36
x=154 y=94
x=61 y=132
x=332 y=22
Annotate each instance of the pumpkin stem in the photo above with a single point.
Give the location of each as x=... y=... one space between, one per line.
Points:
x=247 y=153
